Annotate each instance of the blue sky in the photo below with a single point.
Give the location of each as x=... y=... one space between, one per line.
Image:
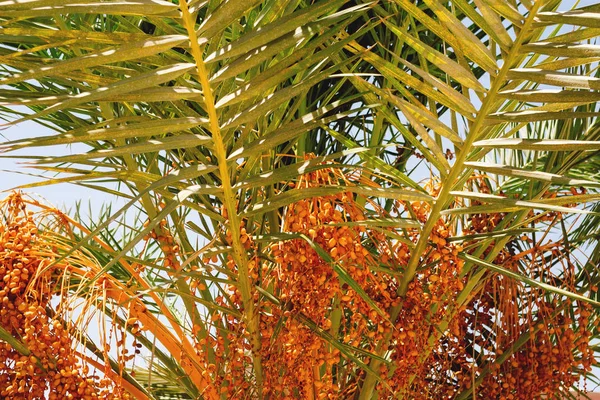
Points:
x=63 y=196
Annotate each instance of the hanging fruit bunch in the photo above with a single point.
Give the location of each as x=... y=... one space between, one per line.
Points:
x=525 y=341
x=424 y=358
x=306 y=283
x=31 y=287
x=336 y=278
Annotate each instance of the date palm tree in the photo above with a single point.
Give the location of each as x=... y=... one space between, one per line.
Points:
x=456 y=140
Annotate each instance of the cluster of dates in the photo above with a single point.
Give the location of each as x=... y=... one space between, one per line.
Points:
x=48 y=367
x=316 y=305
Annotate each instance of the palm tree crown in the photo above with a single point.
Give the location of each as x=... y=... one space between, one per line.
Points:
x=327 y=199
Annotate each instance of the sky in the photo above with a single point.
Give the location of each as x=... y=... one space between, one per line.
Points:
x=15 y=172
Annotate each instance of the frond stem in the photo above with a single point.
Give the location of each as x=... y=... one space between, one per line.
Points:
x=444 y=196
x=251 y=315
